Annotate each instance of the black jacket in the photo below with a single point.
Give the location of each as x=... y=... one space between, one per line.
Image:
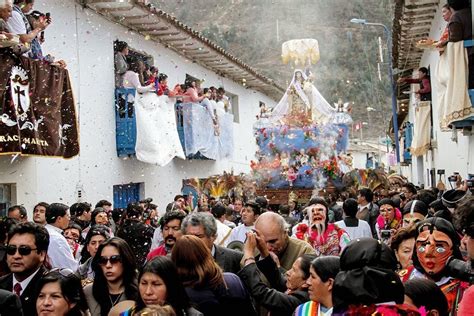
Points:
x=138 y=236
x=10 y=304
x=228 y=259
x=228 y=299
x=28 y=297
x=277 y=303
x=276 y=277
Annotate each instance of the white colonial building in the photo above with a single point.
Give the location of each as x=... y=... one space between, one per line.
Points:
x=83 y=33
x=415 y=20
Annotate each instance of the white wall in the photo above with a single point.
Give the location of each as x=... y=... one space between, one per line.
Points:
x=359 y=160
x=85 y=41
x=448 y=155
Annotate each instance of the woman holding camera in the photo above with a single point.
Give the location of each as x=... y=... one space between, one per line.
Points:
x=389 y=220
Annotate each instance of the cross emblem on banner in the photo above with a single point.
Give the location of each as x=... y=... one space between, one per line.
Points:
x=19 y=92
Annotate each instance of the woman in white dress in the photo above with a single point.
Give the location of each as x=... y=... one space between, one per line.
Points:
x=157 y=135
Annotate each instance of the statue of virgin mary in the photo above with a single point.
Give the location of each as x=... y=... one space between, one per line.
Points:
x=302 y=104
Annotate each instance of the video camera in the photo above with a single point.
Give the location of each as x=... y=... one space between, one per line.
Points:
x=460 y=270
x=385 y=233
x=470 y=182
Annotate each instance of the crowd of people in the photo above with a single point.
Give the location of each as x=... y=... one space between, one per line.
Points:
x=365 y=254
x=407 y=252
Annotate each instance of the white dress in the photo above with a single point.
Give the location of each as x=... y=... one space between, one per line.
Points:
x=157 y=135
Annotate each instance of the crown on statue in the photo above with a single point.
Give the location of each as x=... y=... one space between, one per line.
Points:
x=302 y=52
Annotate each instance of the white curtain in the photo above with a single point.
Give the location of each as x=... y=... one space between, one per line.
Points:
x=157 y=136
x=452 y=74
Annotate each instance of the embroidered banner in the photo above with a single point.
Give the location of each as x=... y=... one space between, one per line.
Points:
x=37 y=110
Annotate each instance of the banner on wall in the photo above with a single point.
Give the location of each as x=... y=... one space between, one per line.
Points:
x=37 y=109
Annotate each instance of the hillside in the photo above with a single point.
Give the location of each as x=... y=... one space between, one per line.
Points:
x=255 y=30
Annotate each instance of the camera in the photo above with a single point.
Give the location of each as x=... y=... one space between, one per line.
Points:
x=460 y=270
x=441 y=171
x=385 y=233
x=470 y=182
x=454 y=177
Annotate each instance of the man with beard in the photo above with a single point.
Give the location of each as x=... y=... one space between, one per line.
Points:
x=326 y=238
x=170 y=225
x=436 y=242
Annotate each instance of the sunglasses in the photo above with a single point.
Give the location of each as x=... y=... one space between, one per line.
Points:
x=112 y=259
x=22 y=250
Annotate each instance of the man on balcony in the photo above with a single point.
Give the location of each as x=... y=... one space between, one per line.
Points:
x=120 y=59
x=18 y=23
x=5 y=14
x=424 y=81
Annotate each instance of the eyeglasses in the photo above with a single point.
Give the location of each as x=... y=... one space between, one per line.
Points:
x=112 y=259
x=22 y=250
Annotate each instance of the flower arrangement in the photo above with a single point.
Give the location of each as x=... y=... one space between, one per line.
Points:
x=273 y=148
x=330 y=168
x=301 y=230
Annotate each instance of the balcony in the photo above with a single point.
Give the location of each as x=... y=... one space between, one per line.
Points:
x=125 y=123
x=199 y=137
x=468 y=122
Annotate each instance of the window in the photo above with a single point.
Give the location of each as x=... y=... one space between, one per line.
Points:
x=7 y=197
x=234 y=101
x=127 y=193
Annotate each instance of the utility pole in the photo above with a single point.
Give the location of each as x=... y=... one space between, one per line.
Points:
x=393 y=85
